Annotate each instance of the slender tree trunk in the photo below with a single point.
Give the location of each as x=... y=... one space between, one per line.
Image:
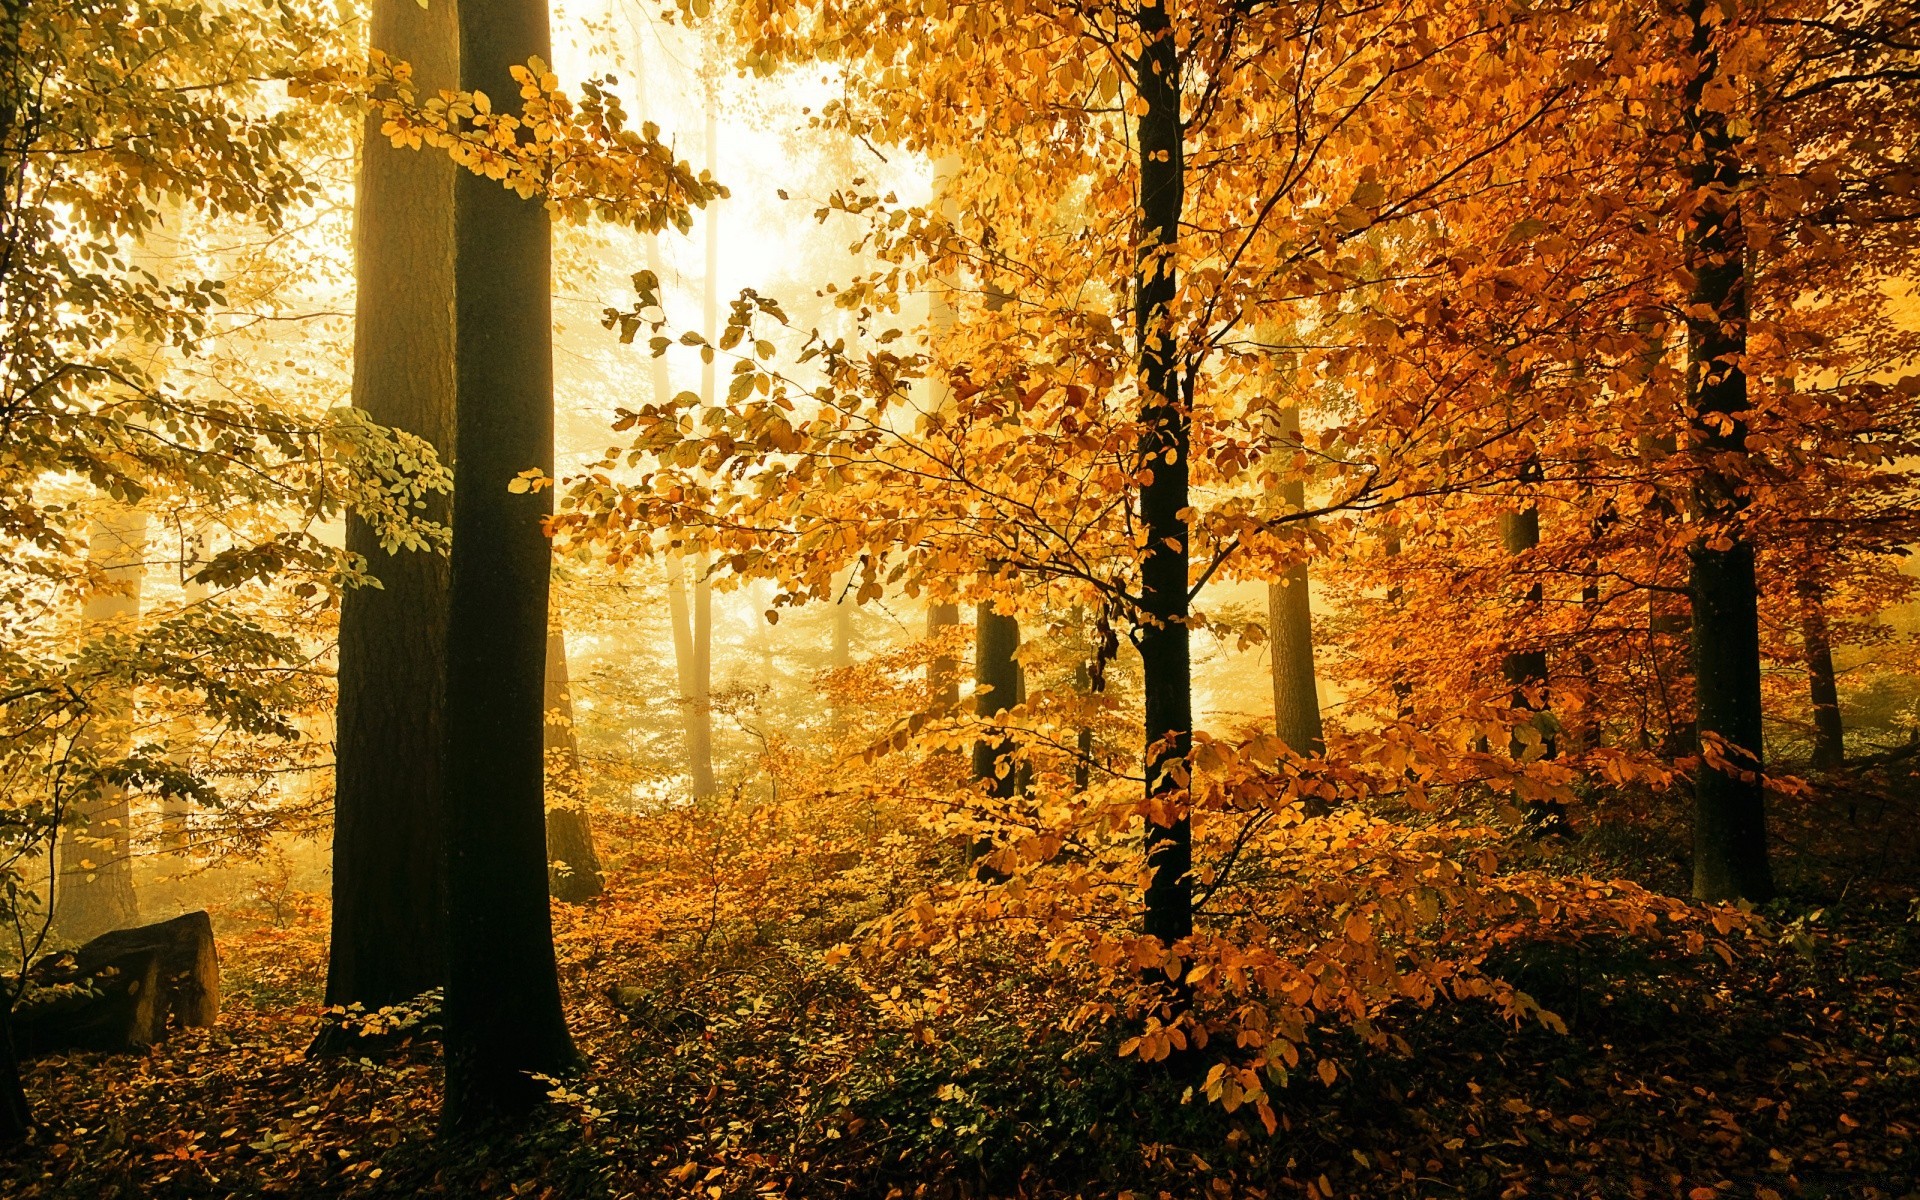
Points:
x=1296 y=693
x=696 y=715
x=573 y=866
x=842 y=624
x=503 y=1018
x=1829 y=735
x=1165 y=656
x=694 y=628
x=996 y=687
x=944 y=673
x=1730 y=830
x=1401 y=686
x=95 y=889
x=1525 y=670
x=176 y=812
x=840 y=654
x=389 y=911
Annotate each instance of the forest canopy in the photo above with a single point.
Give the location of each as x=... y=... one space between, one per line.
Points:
x=795 y=597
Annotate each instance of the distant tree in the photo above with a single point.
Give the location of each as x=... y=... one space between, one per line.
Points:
x=1296 y=693
x=573 y=871
x=94 y=892
x=1829 y=734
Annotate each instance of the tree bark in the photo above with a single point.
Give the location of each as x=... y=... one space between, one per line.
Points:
x=1525 y=670
x=503 y=1018
x=944 y=673
x=573 y=866
x=996 y=689
x=94 y=891
x=389 y=911
x=1829 y=735
x=696 y=707
x=1165 y=655
x=1730 y=832
x=1296 y=693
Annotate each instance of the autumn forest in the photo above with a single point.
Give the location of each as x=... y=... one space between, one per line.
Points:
x=921 y=599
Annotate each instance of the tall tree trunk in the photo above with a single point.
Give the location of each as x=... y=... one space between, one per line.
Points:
x=1165 y=656
x=1402 y=687
x=689 y=631
x=573 y=866
x=1525 y=670
x=176 y=833
x=94 y=892
x=996 y=687
x=1296 y=694
x=1829 y=735
x=1729 y=830
x=944 y=673
x=503 y=1018
x=697 y=675
x=389 y=910
x=842 y=655
x=696 y=712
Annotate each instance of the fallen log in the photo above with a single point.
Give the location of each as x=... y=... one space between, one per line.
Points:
x=121 y=991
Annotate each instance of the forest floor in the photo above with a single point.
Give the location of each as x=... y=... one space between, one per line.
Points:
x=1792 y=1072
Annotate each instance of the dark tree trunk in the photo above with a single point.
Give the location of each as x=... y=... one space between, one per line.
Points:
x=1729 y=832
x=1164 y=654
x=389 y=910
x=573 y=866
x=503 y=1018
x=996 y=684
x=1525 y=670
x=1296 y=694
x=1829 y=735
x=16 y=1111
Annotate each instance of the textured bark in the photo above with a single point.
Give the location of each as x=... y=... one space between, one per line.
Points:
x=1296 y=694
x=123 y=990
x=1729 y=831
x=1829 y=735
x=1165 y=657
x=573 y=865
x=94 y=890
x=389 y=912
x=503 y=1020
